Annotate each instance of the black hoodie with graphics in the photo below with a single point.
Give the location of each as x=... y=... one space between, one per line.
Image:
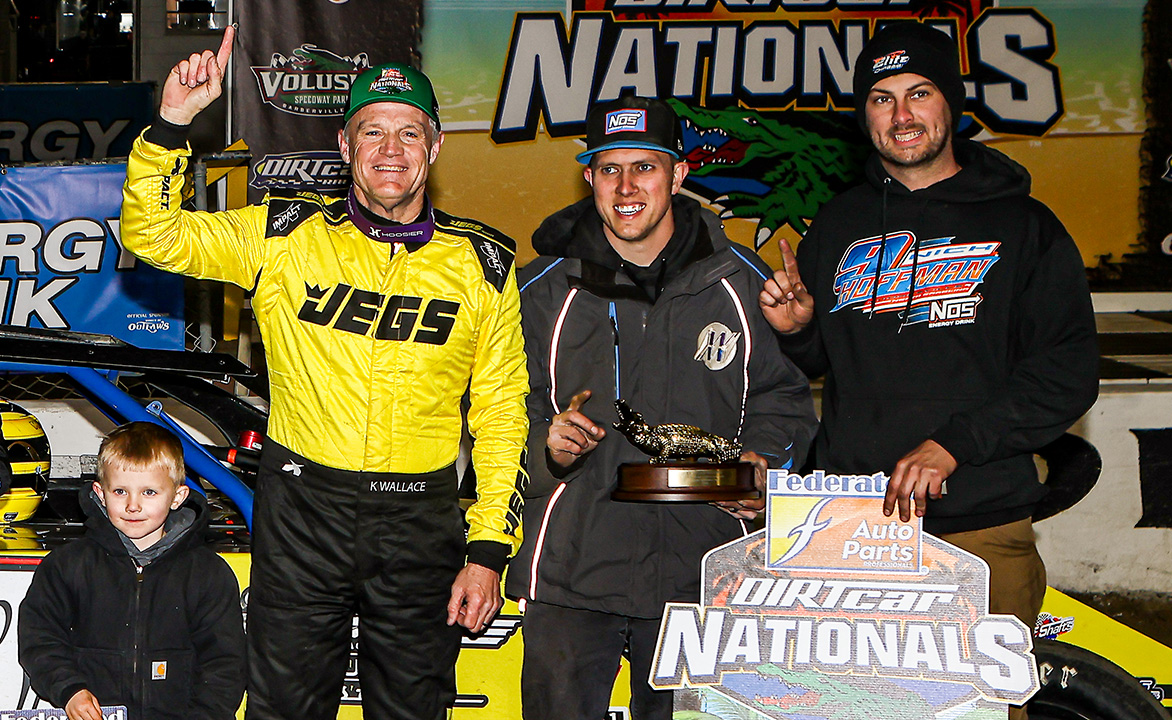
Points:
x=993 y=354
x=165 y=639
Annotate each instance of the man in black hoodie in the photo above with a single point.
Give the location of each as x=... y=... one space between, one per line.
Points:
x=637 y=295
x=950 y=314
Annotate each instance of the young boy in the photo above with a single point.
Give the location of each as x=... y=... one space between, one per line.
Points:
x=138 y=612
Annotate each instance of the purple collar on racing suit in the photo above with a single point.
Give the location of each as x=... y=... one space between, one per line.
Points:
x=417 y=232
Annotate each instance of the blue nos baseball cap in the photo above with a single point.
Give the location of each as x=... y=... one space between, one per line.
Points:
x=633 y=122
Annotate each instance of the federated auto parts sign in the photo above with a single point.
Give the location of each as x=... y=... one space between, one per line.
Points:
x=835 y=611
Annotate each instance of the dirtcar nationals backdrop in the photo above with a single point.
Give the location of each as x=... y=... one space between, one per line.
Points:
x=764 y=87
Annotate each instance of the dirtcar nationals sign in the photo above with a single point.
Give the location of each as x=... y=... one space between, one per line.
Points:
x=835 y=611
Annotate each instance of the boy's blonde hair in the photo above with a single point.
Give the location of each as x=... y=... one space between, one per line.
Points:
x=141 y=446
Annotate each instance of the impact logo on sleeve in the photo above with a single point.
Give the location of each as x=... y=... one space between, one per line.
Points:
x=946 y=279
x=311 y=81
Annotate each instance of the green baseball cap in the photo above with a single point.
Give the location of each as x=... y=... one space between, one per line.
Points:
x=393 y=83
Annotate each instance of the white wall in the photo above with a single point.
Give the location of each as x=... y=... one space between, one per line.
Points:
x=1095 y=545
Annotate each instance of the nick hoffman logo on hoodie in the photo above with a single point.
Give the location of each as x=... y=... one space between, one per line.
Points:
x=311 y=81
x=944 y=289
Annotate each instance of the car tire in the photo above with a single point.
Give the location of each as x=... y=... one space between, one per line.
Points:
x=1077 y=684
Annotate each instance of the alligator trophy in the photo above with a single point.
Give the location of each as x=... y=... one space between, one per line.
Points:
x=687 y=464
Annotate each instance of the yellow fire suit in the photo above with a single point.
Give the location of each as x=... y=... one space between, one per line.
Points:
x=370 y=344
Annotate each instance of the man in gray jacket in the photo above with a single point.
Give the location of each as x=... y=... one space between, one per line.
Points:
x=637 y=295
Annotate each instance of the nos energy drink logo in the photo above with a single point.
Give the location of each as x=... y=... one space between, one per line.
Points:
x=315 y=170
x=311 y=81
x=626 y=121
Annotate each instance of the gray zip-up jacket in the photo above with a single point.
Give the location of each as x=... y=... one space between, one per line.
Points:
x=700 y=353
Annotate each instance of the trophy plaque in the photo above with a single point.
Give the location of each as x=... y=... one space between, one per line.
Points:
x=687 y=464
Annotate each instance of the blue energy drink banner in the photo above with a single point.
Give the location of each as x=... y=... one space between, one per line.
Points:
x=59 y=121
x=62 y=266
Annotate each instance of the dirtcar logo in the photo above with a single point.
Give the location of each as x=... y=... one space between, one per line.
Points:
x=626 y=121
x=837 y=643
x=947 y=276
x=890 y=61
x=314 y=171
x=311 y=81
x=391 y=82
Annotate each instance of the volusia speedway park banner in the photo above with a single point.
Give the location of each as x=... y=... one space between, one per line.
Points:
x=293 y=63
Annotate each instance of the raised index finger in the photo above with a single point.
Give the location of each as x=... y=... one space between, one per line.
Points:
x=225 y=50
x=789 y=261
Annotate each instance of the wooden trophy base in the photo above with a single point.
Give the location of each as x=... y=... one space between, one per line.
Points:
x=685 y=482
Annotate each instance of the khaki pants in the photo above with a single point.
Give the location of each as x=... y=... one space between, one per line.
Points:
x=1017 y=577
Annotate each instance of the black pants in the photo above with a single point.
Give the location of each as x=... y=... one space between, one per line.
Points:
x=327 y=544
x=572 y=656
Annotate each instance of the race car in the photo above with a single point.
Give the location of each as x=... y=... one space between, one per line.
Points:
x=1078 y=677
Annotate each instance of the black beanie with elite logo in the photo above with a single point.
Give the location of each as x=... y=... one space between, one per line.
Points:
x=910 y=47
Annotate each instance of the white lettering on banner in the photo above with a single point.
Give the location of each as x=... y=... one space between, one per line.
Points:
x=28 y=301
x=126 y=259
x=697 y=649
x=57 y=139
x=70 y=247
x=805 y=64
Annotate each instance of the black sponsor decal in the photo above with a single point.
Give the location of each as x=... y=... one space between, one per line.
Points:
x=1155 y=477
x=397 y=317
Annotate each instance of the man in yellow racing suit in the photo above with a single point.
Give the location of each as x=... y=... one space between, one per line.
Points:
x=378 y=314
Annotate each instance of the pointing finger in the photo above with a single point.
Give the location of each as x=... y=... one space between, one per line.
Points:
x=225 y=50
x=578 y=401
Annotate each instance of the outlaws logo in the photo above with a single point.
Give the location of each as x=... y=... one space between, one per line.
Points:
x=311 y=81
x=945 y=283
